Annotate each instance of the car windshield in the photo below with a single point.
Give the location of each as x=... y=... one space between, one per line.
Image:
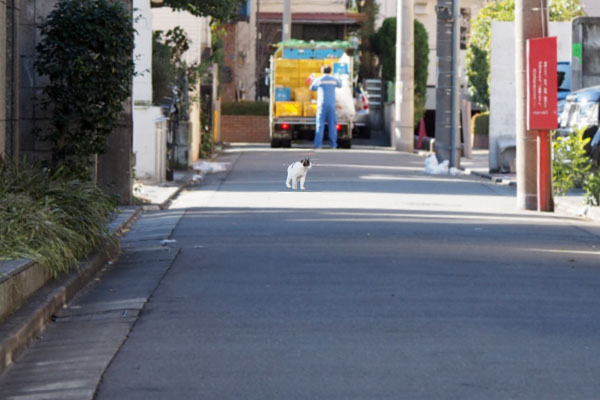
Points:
x=579 y=115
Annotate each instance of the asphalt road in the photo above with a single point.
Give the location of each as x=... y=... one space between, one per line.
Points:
x=377 y=282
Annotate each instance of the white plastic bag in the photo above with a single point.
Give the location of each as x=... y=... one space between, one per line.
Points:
x=432 y=166
x=344 y=100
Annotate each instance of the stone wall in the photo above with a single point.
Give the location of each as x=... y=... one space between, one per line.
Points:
x=21 y=89
x=2 y=78
x=245 y=128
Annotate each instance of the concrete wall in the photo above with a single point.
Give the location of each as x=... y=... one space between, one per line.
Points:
x=150 y=144
x=502 y=88
x=149 y=137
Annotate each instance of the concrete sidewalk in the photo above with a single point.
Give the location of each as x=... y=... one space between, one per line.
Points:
x=28 y=289
x=572 y=204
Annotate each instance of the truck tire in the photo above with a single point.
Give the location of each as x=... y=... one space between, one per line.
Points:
x=275 y=143
x=287 y=143
x=345 y=143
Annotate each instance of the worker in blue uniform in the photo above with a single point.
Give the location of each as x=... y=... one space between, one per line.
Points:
x=326 y=108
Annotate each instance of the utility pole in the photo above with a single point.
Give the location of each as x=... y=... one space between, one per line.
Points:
x=258 y=53
x=455 y=100
x=286 y=32
x=403 y=129
x=531 y=21
x=444 y=147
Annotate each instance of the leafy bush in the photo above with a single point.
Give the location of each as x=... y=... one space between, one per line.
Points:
x=86 y=51
x=481 y=123
x=245 y=108
x=570 y=163
x=591 y=185
x=49 y=216
x=384 y=45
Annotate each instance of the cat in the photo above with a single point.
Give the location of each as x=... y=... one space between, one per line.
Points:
x=297 y=171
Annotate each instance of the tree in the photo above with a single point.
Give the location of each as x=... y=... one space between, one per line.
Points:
x=367 y=30
x=384 y=45
x=221 y=10
x=87 y=54
x=478 y=51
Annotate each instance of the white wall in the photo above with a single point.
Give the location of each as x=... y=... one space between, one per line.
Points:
x=502 y=76
x=150 y=154
x=150 y=144
x=197 y=29
x=591 y=7
x=142 y=81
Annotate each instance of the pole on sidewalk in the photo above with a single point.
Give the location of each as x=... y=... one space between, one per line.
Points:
x=531 y=20
x=403 y=136
x=444 y=146
x=455 y=100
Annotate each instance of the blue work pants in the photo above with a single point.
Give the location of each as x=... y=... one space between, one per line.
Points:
x=326 y=113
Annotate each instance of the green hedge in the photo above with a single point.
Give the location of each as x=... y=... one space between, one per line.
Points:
x=481 y=123
x=245 y=108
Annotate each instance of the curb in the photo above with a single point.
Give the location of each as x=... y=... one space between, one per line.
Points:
x=29 y=322
x=494 y=179
x=165 y=204
x=583 y=211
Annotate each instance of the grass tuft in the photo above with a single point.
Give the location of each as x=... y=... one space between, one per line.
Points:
x=50 y=217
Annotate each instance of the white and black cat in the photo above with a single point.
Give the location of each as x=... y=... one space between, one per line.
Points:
x=297 y=171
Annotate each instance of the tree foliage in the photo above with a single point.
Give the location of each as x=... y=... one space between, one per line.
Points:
x=384 y=45
x=478 y=51
x=87 y=54
x=221 y=10
x=367 y=67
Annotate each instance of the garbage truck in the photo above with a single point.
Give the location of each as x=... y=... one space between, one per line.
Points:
x=292 y=105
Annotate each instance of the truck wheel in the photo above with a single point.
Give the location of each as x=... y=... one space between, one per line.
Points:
x=345 y=143
x=275 y=143
x=287 y=143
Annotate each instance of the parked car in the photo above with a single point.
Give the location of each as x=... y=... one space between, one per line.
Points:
x=564 y=83
x=362 y=127
x=582 y=111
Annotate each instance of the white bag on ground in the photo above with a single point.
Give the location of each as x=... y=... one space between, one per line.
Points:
x=432 y=166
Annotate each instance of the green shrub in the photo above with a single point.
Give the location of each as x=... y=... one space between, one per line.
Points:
x=384 y=45
x=591 y=185
x=481 y=123
x=570 y=162
x=49 y=216
x=86 y=52
x=245 y=108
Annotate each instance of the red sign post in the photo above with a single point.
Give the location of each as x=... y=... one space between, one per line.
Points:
x=542 y=102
